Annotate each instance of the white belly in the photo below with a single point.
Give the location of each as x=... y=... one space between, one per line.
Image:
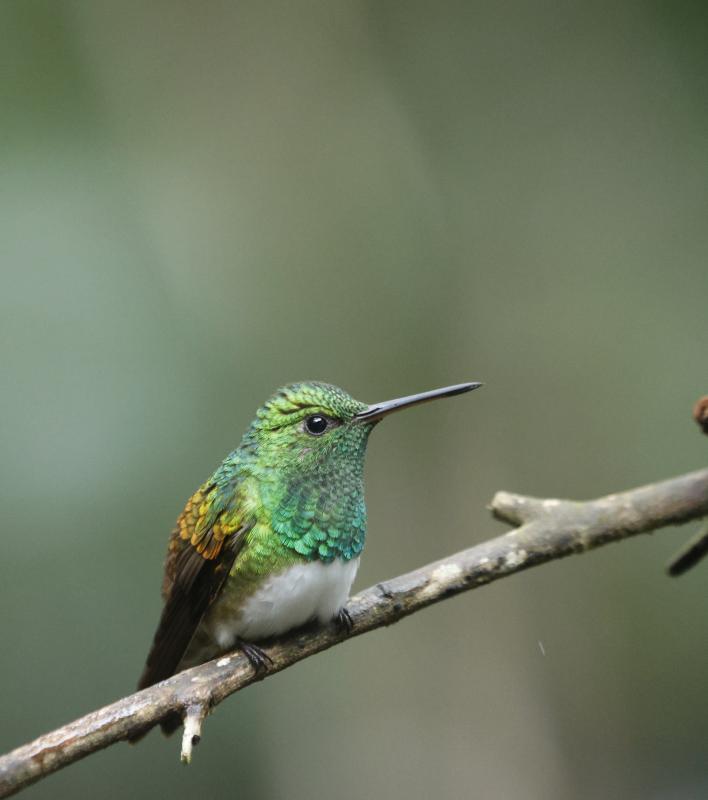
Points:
x=289 y=599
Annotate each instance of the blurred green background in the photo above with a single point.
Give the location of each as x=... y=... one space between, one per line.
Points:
x=202 y=201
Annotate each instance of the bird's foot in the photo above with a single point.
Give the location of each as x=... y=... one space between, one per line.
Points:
x=260 y=660
x=344 y=621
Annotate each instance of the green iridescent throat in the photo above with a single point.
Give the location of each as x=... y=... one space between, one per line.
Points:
x=320 y=513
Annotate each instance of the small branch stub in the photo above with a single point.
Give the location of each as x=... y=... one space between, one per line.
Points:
x=193 y=718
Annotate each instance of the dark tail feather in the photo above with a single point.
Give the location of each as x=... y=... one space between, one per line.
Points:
x=150 y=677
x=168 y=726
x=134 y=738
x=200 y=580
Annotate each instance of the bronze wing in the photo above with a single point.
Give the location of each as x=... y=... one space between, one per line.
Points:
x=203 y=546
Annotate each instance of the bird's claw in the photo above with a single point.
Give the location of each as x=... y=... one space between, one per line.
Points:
x=260 y=660
x=344 y=621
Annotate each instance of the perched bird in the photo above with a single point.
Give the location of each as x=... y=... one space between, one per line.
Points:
x=272 y=540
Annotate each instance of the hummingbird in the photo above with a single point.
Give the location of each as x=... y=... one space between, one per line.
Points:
x=272 y=539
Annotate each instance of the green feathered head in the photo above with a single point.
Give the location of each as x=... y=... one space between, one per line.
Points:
x=306 y=449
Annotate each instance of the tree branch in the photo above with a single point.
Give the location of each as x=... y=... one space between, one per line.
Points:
x=549 y=529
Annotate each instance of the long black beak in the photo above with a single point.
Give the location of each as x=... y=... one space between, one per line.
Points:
x=378 y=411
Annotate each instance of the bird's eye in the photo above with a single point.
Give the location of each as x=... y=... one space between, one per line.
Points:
x=316 y=424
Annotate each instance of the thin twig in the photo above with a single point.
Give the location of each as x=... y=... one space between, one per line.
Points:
x=549 y=529
x=695 y=550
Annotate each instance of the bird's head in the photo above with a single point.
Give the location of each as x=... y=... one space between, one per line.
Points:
x=306 y=447
x=305 y=425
